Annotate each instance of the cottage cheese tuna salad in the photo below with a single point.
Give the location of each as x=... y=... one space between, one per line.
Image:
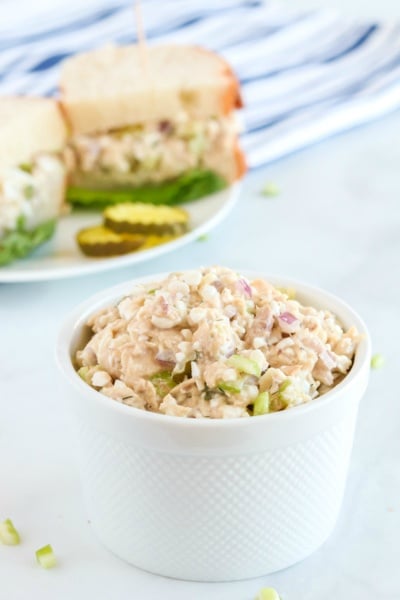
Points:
x=210 y=343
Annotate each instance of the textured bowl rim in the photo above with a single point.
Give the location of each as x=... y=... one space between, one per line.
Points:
x=77 y=318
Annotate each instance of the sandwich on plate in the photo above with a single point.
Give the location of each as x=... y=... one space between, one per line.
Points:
x=152 y=123
x=32 y=174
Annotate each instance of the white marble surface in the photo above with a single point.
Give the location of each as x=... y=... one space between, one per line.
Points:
x=335 y=224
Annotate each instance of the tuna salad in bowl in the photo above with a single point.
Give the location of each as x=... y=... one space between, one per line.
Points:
x=215 y=416
x=212 y=343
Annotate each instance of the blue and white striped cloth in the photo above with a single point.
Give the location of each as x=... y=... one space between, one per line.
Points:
x=305 y=75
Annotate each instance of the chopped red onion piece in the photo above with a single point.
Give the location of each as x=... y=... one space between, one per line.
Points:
x=288 y=318
x=163 y=304
x=166 y=358
x=328 y=359
x=217 y=284
x=230 y=353
x=165 y=127
x=244 y=287
x=230 y=311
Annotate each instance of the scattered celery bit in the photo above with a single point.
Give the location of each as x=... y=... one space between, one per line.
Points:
x=261 y=404
x=46 y=557
x=28 y=168
x=8 y=534
x=270 y=189
x=29 y=191
x=203 y=238
x=267 y=594
x=233 y=387
x=377 y=361
x=244 y=365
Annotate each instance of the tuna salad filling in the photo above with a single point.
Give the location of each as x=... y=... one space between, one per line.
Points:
x=151 y=152
x=31 y=193
x=209 y=343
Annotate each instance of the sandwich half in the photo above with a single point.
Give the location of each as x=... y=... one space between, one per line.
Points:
x=32 y=173
x=156 y=123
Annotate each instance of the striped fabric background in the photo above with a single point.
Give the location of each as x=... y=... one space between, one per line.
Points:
x=305 y=75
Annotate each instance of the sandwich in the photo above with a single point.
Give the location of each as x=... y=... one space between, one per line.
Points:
x=152 y=124
x=32 y=173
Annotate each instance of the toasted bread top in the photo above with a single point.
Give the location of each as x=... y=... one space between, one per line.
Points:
x=29 y=125
x=118 y=86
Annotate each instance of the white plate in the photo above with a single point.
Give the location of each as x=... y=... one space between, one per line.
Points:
x=61 y=257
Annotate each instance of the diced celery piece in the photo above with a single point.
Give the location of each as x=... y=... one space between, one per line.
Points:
x=284 y=385
x=46 y=557
x=290 y=292
x=234 y=387
x=267 y=594
x=83 y=373
x=244 y=365
x=163 y=382
x=278 y=401
x=377 y=361
x=261 y=404
x=162 y=375
x=8 y=534
x=279 y=397
x=197 y=144
x=26 y=167
x=29 y=191
x=151 y=162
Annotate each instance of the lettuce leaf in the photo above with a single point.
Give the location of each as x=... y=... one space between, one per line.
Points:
x=189 y=186
x=20 y=242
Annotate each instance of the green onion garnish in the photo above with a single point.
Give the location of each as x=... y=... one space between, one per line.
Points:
x=46 y=557
x=8 y=534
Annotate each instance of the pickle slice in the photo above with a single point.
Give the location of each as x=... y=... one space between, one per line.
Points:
x=99 y=241
x=157 y=240
x=148 y=219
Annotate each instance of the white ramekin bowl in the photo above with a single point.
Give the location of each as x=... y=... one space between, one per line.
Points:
x=214 y=500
